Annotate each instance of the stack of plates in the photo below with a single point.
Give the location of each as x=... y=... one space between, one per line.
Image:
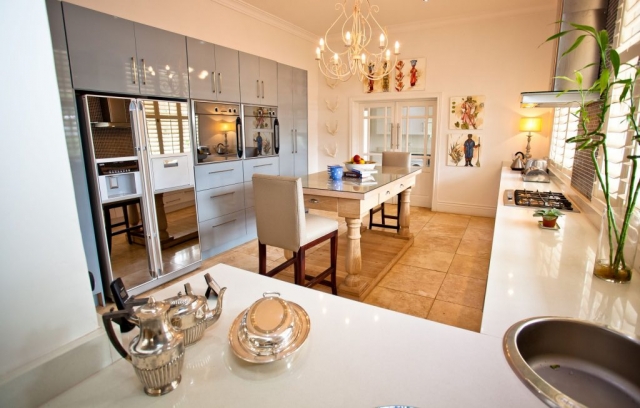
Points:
x=269 y=330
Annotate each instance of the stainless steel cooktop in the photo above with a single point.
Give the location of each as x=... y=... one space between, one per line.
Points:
x=538 y=199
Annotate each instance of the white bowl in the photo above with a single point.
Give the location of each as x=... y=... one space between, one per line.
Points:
x=370 y=165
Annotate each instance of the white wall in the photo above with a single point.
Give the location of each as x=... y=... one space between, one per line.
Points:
x=46 y=299
x=212 y=21
x=495 y=56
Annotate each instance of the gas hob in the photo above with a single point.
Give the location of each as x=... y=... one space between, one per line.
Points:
x=538 y=199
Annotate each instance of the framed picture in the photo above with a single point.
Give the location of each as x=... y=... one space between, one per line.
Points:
x=409 y=75
x=376 y=85
x=466 y=112
x=463 y=150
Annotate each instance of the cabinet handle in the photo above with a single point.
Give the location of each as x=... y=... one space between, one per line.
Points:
x=219 y=82
x=293 y=141
x=220 y=171
x=262 y=89
x=401 y=185
x=262 y=165
x=213 y=82
x=258 y=86
x=222 y=195
x=219 y=225
x=134 y=69
x=144 y=72
x=313 y=200
x=388 y=192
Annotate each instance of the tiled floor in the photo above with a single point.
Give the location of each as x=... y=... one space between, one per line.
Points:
x=441 y=278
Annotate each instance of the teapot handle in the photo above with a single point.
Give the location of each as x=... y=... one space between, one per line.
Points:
x=107 y=319
x=521 y=154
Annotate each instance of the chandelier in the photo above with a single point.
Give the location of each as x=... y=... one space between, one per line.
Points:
x=354 y=56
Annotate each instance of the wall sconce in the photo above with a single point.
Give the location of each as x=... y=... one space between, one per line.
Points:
x=530 y=125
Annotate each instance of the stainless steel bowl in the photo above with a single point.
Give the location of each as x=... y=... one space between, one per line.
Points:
x=269 y=330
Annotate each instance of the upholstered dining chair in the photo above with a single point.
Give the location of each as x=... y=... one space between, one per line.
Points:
x=390 y=159
x=282 y=223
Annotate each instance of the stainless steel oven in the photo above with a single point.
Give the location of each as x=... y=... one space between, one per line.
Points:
x=218 y=131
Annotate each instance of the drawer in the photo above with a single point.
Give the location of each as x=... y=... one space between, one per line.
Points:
x=267 y=165
x=391 y=190
x=218 y=175
x=320 y=203
x=252 y=229
x=220 y=201
x=219 y=231
x=170 y=172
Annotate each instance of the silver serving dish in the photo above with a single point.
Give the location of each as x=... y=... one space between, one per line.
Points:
x=269 y=330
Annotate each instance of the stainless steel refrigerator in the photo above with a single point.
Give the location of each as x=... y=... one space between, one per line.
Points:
x=139 y=160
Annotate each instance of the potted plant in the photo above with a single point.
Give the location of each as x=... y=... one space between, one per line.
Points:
x=549 y=216
x=614 y=261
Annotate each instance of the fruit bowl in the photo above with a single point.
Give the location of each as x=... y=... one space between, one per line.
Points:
x=370 y=165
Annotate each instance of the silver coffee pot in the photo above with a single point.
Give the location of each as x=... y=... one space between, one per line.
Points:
x=157 y=353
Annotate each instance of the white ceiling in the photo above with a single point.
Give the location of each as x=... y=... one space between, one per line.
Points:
x=316 y=16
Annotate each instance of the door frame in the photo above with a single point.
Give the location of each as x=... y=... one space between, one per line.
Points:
x=355 y=128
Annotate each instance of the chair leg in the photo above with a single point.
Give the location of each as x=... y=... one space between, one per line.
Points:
x=334 y=259
x=371 y=218
x=398 y=214
x=383 y=220
x=299 y=269
x=262 y=258
x=125 y=212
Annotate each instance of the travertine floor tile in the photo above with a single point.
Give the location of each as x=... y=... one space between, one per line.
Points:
x=444 y=230
x=400 y=301
x=482 y=222
x=471 y=266
x=411 y=279
x=463 y=290
x=424 y=239
x=478 y=248
x=427 y=259
x=456 y=315
x=451 y=219
x=478 y=234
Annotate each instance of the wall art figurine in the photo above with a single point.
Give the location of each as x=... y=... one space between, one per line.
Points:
x=376 y=85
x=331 y=83
x=332 y=106
x=332 y=129
x=409 y=75
x=466 y=112
x=331 y=151
x=463 y=148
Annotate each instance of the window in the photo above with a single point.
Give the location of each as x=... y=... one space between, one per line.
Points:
x=565 y=125
x=167 y=127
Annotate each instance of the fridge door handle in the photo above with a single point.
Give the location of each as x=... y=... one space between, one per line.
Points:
x=276 y=136
x=239 y=137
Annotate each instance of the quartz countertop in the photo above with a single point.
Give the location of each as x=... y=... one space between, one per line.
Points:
x=357 y=355
x=537 y=272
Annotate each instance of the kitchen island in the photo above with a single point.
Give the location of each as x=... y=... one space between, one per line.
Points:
x=356 y=355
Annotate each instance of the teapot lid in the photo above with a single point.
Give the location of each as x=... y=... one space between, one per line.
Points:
x=152 y=309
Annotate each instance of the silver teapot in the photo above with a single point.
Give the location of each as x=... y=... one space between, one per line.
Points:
x=190 y=313
x=157 y=353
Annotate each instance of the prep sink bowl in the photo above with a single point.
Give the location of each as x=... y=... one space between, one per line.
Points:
x=573 y=363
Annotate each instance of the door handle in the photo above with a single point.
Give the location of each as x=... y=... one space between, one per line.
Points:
x=144 y=72
x=219 y=82
x=398 y=136
x=134 y=69
x=213 y=82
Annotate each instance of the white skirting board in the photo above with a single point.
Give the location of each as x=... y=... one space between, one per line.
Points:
x=458 y=208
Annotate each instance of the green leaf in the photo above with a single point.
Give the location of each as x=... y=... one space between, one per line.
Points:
x=624 y=93
x=558 y=35
x=578 y=75
x=604 y=38
x=565 y=78
x=575 y=44
x=585 y=28
x=604 y=80
x=615 y=62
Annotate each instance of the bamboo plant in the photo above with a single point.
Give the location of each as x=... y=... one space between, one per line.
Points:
x=592 y=140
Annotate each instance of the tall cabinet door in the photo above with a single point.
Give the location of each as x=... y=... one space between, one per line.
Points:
x=269 y=82
x=300 y=125
x=250 y=90
x=162 y=62
x=285 y=117
x=202 y=69
x=102 y=51
x=227 y=74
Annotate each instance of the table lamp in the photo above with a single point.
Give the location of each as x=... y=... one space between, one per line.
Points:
x=530 y=125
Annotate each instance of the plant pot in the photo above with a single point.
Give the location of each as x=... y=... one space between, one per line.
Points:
x=549 y=222
x=611 y=264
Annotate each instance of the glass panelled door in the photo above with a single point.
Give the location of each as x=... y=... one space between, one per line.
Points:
x=377 y=122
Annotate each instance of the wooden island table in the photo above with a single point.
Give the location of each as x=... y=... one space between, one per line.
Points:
x=352 y=199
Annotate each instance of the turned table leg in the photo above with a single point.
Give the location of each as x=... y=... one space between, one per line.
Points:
x=354 y=257
x=288 y=254
x=405 y=197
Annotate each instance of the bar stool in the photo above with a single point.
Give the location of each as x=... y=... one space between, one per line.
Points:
x=282 y=223
x=390 y=159
x=128 y=229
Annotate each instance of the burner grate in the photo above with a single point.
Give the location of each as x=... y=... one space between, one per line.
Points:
x=542 y=199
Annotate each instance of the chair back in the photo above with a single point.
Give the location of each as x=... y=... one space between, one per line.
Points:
x=396 y=159
x=279 y=207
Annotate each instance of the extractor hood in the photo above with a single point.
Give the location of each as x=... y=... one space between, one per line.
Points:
x=115 y=113
x=586 y=12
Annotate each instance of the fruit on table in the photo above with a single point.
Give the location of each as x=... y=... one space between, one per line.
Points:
x=356 y=159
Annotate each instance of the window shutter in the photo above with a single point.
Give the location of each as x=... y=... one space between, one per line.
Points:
x=167 y=127
x=565 y=126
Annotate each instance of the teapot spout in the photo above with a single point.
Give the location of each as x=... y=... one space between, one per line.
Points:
x=213 y=315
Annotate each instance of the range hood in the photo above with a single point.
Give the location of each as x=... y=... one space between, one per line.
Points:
x=115 y=113
x=586 y=12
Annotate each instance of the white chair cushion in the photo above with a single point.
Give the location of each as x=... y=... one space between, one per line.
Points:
x=318 y=226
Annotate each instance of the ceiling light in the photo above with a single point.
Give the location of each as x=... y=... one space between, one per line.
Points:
x=361 y=52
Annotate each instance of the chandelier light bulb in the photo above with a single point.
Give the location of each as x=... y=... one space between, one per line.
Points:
x=318 y=53
x=322 y=44
x=396 y=48
x=348 y=39
x=387 y=55
x=335 y=58
x=363 y=58
x=381 y=40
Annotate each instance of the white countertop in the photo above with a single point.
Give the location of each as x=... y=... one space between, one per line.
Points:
x=536 y=272
x=356 y=355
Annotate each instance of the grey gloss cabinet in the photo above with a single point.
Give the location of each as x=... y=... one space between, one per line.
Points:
x=258 y=80
x=111 y=54
x=293 y=118
x=214 y=72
